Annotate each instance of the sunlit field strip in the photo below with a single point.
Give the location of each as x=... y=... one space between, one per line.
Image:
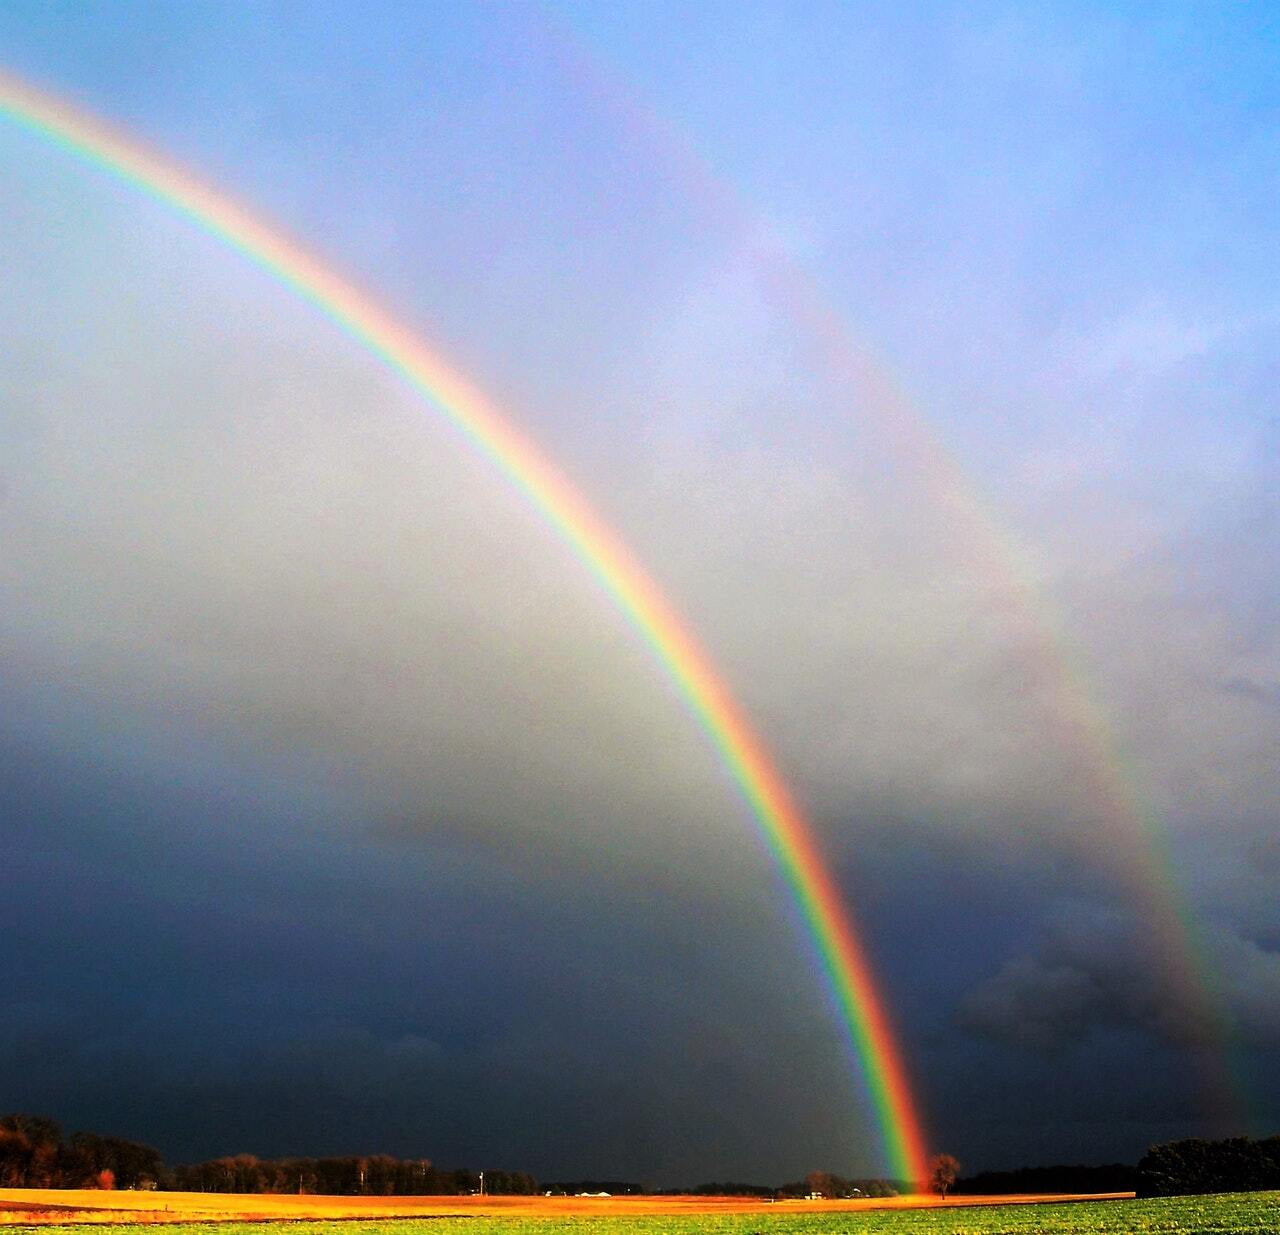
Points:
x=64 y=1206
x=1230 y=1214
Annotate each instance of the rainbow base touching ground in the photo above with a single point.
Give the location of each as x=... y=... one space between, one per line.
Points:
x=776 y=814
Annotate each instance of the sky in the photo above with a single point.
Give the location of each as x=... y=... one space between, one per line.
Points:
x=342 y=812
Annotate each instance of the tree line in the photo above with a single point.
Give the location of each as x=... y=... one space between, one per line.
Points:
x=1237 y=1164
x=355 y=1175
x=34 y=1153
x=834 y=1187
x=1177 y=1168
x=815 y=1183
x=1031 y=1180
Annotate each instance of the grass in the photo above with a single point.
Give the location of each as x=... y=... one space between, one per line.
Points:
x=1256 y=1213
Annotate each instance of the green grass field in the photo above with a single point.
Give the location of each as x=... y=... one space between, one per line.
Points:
x=1256 y=1213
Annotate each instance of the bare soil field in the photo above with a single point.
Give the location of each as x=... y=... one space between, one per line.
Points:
x=26 y=1206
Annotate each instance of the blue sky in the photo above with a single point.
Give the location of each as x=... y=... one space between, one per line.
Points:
x=399 y=840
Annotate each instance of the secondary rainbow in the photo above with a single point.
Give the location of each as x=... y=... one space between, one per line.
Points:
x=861 y=1010
x=1135 y=847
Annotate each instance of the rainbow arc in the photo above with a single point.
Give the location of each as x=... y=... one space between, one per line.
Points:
x=847 y=973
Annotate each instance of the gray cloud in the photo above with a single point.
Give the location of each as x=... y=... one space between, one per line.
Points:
x=1095 y=971
x=1258 y=692
x=274 y=538
x=1031 y=1002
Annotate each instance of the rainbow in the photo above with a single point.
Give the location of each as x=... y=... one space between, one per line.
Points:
x=778 y=817
x=1128 y=837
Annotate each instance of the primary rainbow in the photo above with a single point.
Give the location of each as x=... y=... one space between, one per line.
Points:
x=778 y=817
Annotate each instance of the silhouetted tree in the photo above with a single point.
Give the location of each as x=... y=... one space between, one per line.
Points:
x=943 y=1171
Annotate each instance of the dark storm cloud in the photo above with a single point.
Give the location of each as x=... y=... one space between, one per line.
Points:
x=1030 y=1003
x=1096 y=971
x=175 y=950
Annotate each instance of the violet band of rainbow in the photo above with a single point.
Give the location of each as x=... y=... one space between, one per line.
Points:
x=777 y=816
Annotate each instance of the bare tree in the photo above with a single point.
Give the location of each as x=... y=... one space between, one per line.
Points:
x=943 y=1171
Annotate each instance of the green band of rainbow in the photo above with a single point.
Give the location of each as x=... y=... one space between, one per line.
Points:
x=776 y=813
